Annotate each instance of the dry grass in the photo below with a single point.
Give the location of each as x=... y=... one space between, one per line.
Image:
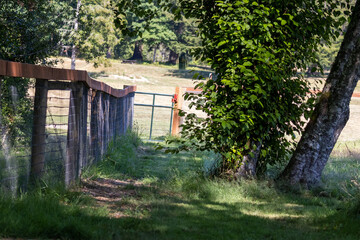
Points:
x=148 y=78
x=164 y=79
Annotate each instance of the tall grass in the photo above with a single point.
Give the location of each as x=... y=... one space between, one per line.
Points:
x=170 y=197
x=53 y=213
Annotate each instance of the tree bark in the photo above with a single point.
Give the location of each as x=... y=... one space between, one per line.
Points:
x=173 y=56
x=247 y=168
x=154 y=55
x=137 y=55
x=331 y=112
x=182 y=61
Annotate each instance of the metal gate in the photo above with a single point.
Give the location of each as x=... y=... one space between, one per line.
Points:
x=156 y=118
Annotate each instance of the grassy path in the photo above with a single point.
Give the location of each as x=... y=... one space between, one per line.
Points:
x=166 y=198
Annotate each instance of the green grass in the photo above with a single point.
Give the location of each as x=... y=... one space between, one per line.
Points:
x=169 y=197
x=56 y=214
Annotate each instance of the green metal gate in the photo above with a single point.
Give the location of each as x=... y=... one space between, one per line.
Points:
x=154 y=106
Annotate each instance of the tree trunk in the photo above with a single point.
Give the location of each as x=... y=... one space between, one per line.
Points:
x=154 y=56
x=76 y=28
x=173 y=56
x=108 y=53
x=137 y=55
x=331 y=112
x=247 y=168
x=182 y=61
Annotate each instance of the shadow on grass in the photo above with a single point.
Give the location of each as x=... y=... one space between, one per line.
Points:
x=189 y=73
x=169 y=218
x=175 y=218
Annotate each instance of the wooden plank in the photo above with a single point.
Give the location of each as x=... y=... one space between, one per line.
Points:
x=122 y=114
x=72 y=143
x=77 y=132
x=130 y=115
x=39 y=134
x=15 y=69
x=119 y=115
x=112 y=118
x=125 y=113
x=100 y=123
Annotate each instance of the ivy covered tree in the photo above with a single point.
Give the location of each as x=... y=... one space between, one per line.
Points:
x=256 y=103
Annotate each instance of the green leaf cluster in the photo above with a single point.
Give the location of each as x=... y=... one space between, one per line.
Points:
x=256 y=48
x=149 y=24
x=97 y=35
x=30 y=33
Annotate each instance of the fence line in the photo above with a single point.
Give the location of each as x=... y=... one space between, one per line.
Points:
x=74 y=119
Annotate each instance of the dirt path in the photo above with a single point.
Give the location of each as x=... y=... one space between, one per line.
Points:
x=112 y=194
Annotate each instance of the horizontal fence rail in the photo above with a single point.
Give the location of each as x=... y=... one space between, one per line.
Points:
x=73 y=120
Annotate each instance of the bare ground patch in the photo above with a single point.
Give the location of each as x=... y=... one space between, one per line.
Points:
x=112 y=194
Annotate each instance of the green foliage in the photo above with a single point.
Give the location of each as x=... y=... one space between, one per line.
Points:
x=30 y=29
x=257 y=97
x=147 y=23
x=327 y=53
x=16 y=109
x=97 y=35
x=31 y=33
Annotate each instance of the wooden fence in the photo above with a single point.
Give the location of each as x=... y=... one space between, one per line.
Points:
x=96 y=115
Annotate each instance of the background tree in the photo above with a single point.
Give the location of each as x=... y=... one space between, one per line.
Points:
x=158 y=29
x=93 y=32
x=186 y=37
x=153 y=32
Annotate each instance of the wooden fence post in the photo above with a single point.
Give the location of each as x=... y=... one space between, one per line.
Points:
x=75 y=135
x=106 y=112
x=112 y=118
x=130 y=116
x=39 y=124
x=178 y=106
x=118 y=122
x=123 y=115
x=94 y=127
x=83 y=145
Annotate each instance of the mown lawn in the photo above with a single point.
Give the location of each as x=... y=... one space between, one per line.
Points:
x=138 y=192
